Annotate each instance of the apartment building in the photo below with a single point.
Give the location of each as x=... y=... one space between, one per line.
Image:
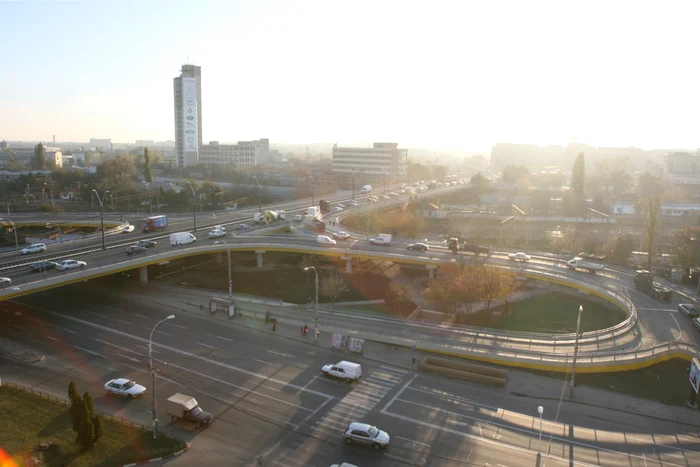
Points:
x=382 y=159
x=240 y=155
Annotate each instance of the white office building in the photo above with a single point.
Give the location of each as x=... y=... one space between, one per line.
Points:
x=382 y=159
x=240 y=155
x=188 y=115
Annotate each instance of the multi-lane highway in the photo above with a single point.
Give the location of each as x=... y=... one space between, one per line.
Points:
x=269 y=398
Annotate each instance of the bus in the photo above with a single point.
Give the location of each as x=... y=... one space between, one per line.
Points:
x=154 y=223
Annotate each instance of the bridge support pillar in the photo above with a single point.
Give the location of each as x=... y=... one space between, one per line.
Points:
x=219 y=257
x=260 y=254
x=431 y=271
x=143 y=274
x=348 y=264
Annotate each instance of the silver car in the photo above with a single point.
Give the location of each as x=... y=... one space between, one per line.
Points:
x=362 y=433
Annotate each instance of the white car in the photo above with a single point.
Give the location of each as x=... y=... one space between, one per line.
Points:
x=341 y=235
x=217 y=233
x=5 y=281
x=124 y=387
x=351 y=203
x=298 y=218
x=520 y=256
x=33 y=248
x=70 y=264
x=128 y=229
x=338 y=209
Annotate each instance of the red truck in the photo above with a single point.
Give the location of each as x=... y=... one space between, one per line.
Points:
x=154 y=223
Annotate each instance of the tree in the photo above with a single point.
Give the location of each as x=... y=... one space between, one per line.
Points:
x=653 y=205
x=514 y=173
x=620 y=182
x=39 y=160
x=494 y=284
x=333 y=286
x=94 y=418
x=147 y=169
x=75 y=400
x=619 y=248
x=567 y=241
x=118 y=173
x=686 y=253
x=397 y=294
x=578 y=175
x=86 y=430
x=479 y=182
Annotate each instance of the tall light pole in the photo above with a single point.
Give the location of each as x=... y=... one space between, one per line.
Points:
x=194 y=204
x=102 y=213
x=27 y=193
x=259 y=193
x=230 y=281
x=50 y=185
x=573 y=364
x=14 y=228
x=153 y=374
x=150 y=200
x=315 y=302
x=540 y=410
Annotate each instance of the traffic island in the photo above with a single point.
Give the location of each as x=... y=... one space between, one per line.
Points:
x=466 y=371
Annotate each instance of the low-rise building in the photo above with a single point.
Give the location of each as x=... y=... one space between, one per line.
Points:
x=241 y=155
x=382 y=159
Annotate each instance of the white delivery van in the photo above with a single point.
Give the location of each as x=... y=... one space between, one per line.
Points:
x=182 y=238
x=381 y=239
x=325 y=240
x=344 y=370
x=366 y=189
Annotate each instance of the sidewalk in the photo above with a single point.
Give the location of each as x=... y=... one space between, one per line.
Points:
x=15 y=351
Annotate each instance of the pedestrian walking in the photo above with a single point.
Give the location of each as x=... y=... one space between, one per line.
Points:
x=306 y=329
x=274 y=325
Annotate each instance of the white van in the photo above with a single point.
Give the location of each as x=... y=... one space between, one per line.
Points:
x=182 y=238
x=381 y=239
x=343 y=370
x=366 y=189
x=325 y=240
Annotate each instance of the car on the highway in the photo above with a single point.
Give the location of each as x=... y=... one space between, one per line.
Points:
x=242 y=227
x=298 y=218
x=5 y=281
x=67 y=264
x=43 y=266
x=385 y=197
x=124 y=387
x=402 y=192
x=128 y=229
x=689 y=309
x=135 y=250
x=519 y=256
x=341 y=235
x=363 y=433
x=371 y=200
x=418 y=247
x=696 y=323
x=33 y=248
x=350 y=203
x=146 y=243
x=344 y=464
x=338 y=209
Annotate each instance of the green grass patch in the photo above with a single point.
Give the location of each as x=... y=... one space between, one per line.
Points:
x=554 y=313
x=30 y=419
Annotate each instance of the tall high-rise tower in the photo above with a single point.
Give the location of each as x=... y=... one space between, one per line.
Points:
x=188 y=114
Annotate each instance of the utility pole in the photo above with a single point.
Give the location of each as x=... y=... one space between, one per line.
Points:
x=102 y=214
x=194 y=205
x=573 y=364
x=316 y=331
x=259 y=193
x=153 y=379
x=50 y=185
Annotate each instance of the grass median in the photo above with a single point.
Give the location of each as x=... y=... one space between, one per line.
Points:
x=30 y=419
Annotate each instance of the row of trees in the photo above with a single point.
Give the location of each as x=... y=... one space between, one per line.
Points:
x=86 y=423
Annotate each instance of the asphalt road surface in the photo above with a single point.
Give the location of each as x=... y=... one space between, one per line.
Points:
x=269 y=398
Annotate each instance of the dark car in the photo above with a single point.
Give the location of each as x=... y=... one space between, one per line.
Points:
x=689 y=309
x=135 y=249
x=242 y=227
x=43 y=266
x=418 y=247
x=146 y=243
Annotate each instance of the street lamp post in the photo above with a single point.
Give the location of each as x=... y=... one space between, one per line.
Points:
x=27 y=193
x=230 y=281
x=313 y=188
x=102 y=213
x=259 y=193
x=316 y=332
x=53 y=206
x=194 y=204
x=540 y=410
x=150 y=199
x=573 y=364
x=14 y=228
x=153 y=374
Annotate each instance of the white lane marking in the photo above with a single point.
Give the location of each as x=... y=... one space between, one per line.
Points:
x=328 y=380
x=680 y=333
x=413 y=441
x=223 y=338
x=187 y=354
x=280 y=354
x=90 y=351
x=658 y=309
x=18 y=326
x=105 y=366
x=140 y=316
x=167 y=334
x=262 y=361
x=206 y=345
x=68 y=330
x=178 y=326
x=52 y=338
x=34 y=319
x=119 y=347
x=129 y=358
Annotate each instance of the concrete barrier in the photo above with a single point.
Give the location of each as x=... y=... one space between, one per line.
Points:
x=465 y=371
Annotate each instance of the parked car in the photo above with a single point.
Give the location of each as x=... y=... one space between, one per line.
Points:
x=33 y=248
x=418 y=247
x=135 y=250
x=341 y=235
x=689 y=309
x=146 y=243
x=70 y=264
x=5 y=281
x=363 y=433
x=43 y=266
x=519 y=256
x=128 y=229
x=124 y=387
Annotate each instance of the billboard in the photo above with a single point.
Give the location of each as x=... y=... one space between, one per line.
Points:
x=695 y=374
x=189 y=113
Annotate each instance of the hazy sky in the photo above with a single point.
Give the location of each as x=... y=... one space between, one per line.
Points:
x=460 y=75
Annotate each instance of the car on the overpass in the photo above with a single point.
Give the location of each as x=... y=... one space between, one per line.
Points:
x=128 y=229
x=519 y=256
x=43 y=266
x=146 y=243
x=33 y=248
x=124 y=387
x=689 y=309
x=696 y=323
x=418 y=247
x=363 y=433
x=67 y=264
x=135 y=250
x=341 y=235
x=5 y=281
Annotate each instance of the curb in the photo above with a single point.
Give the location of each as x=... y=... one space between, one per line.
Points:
x=157 y=459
